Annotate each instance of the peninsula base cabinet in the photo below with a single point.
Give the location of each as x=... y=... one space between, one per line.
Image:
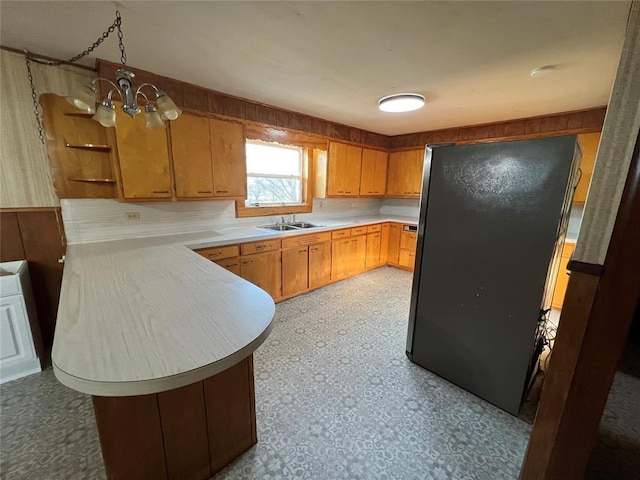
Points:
x=189 y=433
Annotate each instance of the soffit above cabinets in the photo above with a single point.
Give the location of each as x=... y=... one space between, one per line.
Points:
x=334 y=60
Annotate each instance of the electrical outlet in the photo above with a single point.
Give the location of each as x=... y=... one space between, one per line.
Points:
x=321 y=203
x=132 y=215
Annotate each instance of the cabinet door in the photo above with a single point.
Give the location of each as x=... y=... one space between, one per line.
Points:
x=340 y=259
x=228 y=158
x=373 y=173
x=191 y=147
x=404 y=178
x=358 y=254
x=373 y=250
x=231 y=264
x=319 y=264
x=562 y=280
x=352 y=171
x=295 y=270
x=336 y=169
x=394 y=243
x=415 y=180
x=384 y=244
x=263 y=270
x=343 y=170
x=143 y=155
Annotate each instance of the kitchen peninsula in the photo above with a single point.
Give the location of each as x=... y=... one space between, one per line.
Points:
x=163 y=338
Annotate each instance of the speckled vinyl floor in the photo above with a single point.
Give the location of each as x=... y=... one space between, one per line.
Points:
x=336 y=399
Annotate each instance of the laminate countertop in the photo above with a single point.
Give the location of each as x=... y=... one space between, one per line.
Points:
x=146 y=315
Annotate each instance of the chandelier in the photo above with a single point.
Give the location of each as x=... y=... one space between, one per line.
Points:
x=86 y=97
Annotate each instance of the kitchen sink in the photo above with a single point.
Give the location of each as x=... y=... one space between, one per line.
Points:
x=279 y=228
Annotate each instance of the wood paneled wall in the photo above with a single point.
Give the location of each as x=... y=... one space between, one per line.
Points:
x=37 y=235
x=192 y=97
x=583 y=121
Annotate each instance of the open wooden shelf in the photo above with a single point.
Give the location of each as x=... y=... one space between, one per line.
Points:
x=79 y=114
x=94 y=180
x=89 y=146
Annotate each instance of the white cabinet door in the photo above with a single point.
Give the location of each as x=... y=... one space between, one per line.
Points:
x=17 y=353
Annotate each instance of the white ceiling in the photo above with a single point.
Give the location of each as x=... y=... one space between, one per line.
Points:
x=471 y=60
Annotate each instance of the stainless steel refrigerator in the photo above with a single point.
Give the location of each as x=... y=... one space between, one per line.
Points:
x=492 y=223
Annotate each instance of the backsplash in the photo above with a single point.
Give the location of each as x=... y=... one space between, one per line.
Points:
x=97 y=220
x=407 y=207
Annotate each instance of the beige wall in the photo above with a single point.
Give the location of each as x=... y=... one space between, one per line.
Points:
x=618 y=139
x=25 y=180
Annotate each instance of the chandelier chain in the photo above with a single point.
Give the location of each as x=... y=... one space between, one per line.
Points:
x=29 y=58
x=116 y=24
x=34 y=98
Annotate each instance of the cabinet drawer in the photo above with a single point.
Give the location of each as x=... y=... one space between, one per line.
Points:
x=358 y=231
x=408 y=240
x=336 y=234
x=259 y=247
x=374 y=228
x=303 y=240
x=407 y=258
x=219 y=253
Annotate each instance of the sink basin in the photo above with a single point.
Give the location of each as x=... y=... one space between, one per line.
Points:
x=289 y=226
x=304 y=225
x=279 y=228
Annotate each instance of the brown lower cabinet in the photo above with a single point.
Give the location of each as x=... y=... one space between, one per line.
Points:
x=291 y=266
x=263 y=270
x=295 y=270
x=372 y=259
x=319 y=264
x=191 y=432
x=394 y=243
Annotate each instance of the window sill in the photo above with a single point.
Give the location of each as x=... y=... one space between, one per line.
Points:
x=243 y=212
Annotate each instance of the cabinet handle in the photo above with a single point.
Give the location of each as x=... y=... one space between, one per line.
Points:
x=259 y=247
x=407 y=193
x=340 y=191
x=372 y=192
x=247 y=262
x=314 y=249
x=217 y=254
x=302 y=251
x=205 y=191
x=222 y=191
x=347 y=192
x=161 y=191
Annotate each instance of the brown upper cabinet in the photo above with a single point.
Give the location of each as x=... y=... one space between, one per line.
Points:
x=208 y=158
x=339 y=174
x=373 y=174
x=143 y=157
x=192 y=165
x=589 y=145
x=229 y=162
x=404 y=177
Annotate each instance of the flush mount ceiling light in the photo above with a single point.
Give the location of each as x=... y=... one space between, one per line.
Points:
x=542 y=71
x=86 y=97
x=401 y=102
